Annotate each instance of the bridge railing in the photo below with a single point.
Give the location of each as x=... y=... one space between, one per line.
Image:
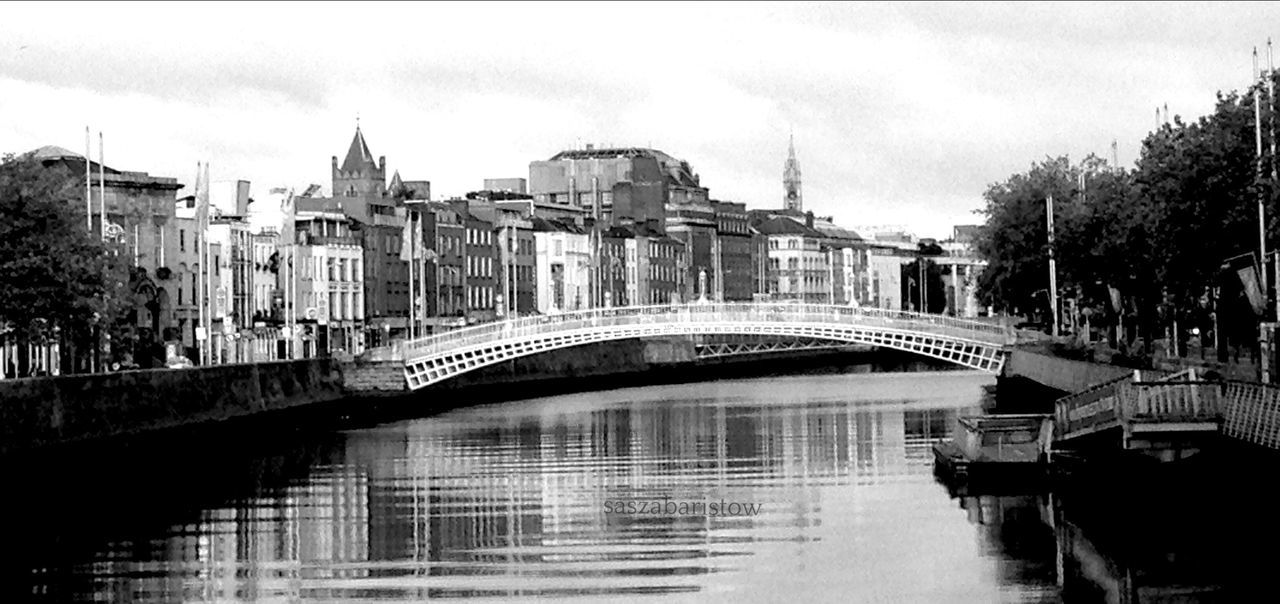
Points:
x=1092 y=408
x=1178 y=397
x=1140 y=396
x=707 y=313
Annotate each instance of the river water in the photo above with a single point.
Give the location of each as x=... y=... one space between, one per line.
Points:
x=811 y=488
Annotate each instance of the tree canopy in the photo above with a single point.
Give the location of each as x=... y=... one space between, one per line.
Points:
x=1158 y=233
x=55 y=277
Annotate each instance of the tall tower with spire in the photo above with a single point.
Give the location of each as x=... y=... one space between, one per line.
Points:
x=792 y=199
x=359 y=175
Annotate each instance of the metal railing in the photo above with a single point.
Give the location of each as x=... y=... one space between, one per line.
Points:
x=1144 y=395
x=745 y=312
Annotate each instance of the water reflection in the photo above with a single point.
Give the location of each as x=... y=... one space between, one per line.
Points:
x=1198 y=541
x=511 y=500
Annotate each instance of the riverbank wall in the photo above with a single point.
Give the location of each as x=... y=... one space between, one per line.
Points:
x=37 y=413
x=40 y=412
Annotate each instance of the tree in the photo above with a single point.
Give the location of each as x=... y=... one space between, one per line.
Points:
x=57 y=281
x=1158 y=234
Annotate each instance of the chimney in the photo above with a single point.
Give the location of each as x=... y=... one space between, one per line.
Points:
x=808 y=219
x=590 y=146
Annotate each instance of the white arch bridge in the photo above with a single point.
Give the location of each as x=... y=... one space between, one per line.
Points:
x=973 y=344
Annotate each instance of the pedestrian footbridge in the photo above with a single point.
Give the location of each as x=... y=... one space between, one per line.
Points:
x=973 y=344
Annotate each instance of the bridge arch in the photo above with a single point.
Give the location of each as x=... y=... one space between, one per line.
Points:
x=440 y=357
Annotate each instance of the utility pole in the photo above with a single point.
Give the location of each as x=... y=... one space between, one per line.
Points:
x=1053 y=267
x=920 y=267
x=88 y=184
x=413 y=301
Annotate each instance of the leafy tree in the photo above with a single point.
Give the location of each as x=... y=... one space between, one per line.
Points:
x=57 y=281
x=1158 y=233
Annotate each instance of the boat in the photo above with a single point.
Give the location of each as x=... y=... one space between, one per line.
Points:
x=1001 y=452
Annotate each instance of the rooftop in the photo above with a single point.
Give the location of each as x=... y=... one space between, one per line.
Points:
x=779 y=225
x=358 y=155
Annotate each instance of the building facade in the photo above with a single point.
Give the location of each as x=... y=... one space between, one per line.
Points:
x=481 y=281
x=451 y=285
x=733 y=262
x=360 y=192
x=330 y=281
x=798 y=263
x=885 y=269
x=606 y=184
x=517 y=264
x=563 y=266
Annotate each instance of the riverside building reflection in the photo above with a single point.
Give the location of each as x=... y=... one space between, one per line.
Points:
x=508 y=500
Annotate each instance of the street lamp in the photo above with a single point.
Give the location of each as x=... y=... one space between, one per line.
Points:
x=1053 y=267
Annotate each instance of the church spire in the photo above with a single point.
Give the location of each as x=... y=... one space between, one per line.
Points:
x=792 y=199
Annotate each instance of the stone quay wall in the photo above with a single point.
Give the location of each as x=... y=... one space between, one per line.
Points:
x=37 y=412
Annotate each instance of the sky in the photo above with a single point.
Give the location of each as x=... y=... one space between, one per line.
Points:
x=902 y=114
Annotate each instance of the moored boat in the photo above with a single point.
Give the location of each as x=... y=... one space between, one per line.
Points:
x=996 y=451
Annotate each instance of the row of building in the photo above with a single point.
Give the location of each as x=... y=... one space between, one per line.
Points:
x=379 y=259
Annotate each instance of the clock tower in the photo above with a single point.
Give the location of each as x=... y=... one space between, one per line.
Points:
x=792 y=198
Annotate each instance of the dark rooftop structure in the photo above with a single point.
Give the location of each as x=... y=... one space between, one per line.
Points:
x=779 y=225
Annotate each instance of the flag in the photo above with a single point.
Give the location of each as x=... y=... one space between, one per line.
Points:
x=1245 y=267
x=288 y=213
x=202 y=197
x=1115 y=298
x=406 y=237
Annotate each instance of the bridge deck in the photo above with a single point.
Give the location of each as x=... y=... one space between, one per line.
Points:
x=976 y=344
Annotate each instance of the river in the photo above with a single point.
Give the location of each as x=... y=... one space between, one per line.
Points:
x=807 y=488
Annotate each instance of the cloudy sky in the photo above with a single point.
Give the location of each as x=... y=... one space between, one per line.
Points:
x=902 y=114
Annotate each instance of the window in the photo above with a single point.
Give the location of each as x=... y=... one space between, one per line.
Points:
x=182 y=240
x=217 y=266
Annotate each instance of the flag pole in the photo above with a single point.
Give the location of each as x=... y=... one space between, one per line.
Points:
x=1053 y=268
x=1271 y=96
x=88 y=183
x=1262 y=219
x=413 y=254
x=102 y=188
x=204 y=345
x=287 y=260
